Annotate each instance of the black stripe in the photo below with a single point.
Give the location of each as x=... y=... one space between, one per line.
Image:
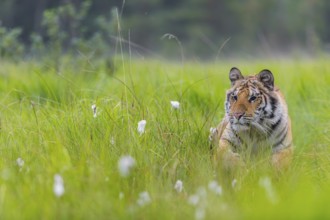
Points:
x=284 y=147
x=228 y=95
x=253 y=88
x=262 y=109
x=236 y=135
x=274 y=126
x=273 y=102
x=284 y=134
x=230 y=142
x=227 y=106
x=262 y=90
x=271 y=116
x=283 y=131
x=266 y=103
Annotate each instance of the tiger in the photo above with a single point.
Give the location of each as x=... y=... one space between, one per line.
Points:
x=256 y=116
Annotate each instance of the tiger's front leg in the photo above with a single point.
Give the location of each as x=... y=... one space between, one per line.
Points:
x=283 y=151
x=224 y=156
x=281 y=159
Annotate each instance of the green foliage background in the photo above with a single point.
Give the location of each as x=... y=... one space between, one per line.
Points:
x=249 y=28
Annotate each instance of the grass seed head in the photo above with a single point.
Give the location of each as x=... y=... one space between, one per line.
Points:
x=125 y=165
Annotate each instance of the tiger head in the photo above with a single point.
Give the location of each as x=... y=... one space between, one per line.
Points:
x=250 y=100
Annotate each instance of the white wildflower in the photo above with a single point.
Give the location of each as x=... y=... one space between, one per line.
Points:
x=144 y=199
x=121 y=195
x=215 y=187
x=112 y=141
x=201 y=191
x=178 y=186
x=234 y=183
x=20 y=162
x=175 y=104
x=58 y=185
x=125 y=165
x=94 y=110
x=266 y=183
x=199 y=198
x=200 y=213
x=141 y=126
x=193 y=199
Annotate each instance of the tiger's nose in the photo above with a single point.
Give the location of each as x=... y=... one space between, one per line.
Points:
x=238 y=115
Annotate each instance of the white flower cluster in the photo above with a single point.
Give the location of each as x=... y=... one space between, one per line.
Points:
x=58 y=187
x=144 y=199
x=142 y=123
x=141 y=126
x=125 y=165
x=175 y=104
x=215 y=188
x=20 y=162
x=94 y=110
x=178 y=186
x=199 y=199
x=266 y=183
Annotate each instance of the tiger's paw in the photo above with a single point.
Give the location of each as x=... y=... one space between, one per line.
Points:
x=233 y=161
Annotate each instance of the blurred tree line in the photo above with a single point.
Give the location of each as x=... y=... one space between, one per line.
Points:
x=173 y=28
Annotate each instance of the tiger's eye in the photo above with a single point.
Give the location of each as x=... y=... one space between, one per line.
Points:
x=252 y=98
x=234 y=97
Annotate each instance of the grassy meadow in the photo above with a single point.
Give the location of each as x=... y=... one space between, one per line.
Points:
x=48 y=122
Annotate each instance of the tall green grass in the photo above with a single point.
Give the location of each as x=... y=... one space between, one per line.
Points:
x=47 y=120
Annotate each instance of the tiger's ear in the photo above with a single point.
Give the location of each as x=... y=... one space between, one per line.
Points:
x=267 y=78
x=234 y=75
